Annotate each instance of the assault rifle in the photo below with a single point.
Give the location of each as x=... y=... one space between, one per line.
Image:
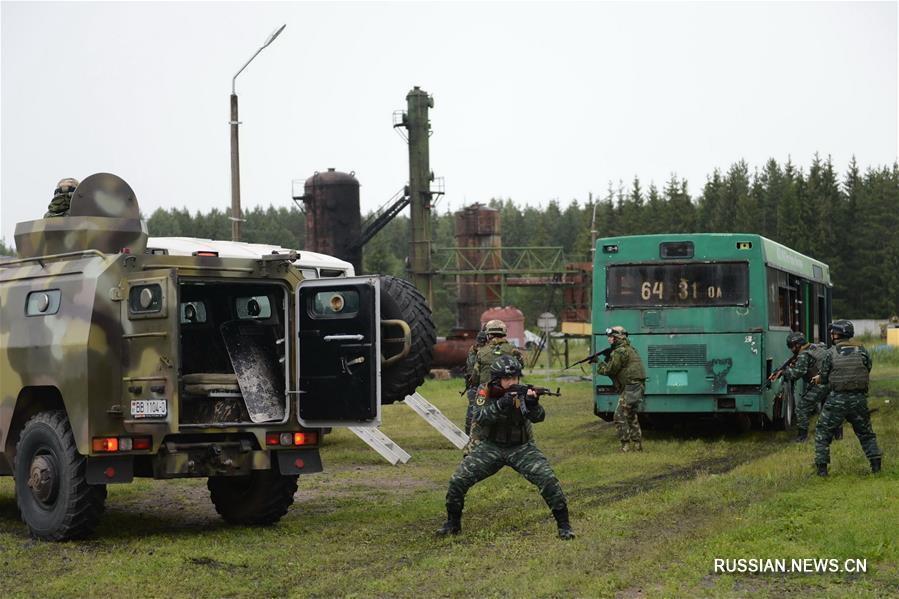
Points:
x=779 y=371
x=591 y=358
x=522 y=392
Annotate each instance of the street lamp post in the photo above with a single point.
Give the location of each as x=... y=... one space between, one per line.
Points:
x=235 y=160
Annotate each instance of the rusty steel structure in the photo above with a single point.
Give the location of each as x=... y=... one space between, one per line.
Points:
x=333 y=221
x=577 y=297
x=478 y=235
x=418 y=127
x=482 y=269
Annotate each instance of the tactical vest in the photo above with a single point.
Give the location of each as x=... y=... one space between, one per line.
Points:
x=513 y=430
x=470 y=361
x=488 y=354
x=817 y=351
x=849 y=372
x=633 y=371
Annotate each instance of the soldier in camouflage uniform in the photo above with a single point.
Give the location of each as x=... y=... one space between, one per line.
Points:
x=846 y=368
x=507 y=440
x=497 y=345
x=471 y=383
x=624 y=367
x=806 y=366
x=62 y=198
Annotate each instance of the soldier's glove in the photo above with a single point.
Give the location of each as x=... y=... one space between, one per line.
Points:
x=505 y=402
x=531 y=402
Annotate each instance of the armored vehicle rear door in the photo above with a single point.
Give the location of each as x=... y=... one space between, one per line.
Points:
x=150 y=358
x=338 y=352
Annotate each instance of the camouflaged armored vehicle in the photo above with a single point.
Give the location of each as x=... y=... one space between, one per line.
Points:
x=120 y=359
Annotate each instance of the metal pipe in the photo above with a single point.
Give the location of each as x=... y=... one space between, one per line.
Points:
x=236 y=217
x=235 y=170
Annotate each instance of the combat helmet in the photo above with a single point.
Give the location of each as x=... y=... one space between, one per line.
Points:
x=795 y=338
x=505 y=366
x=842 y=329
x=616 y=331
x=495 y=327
x=66 y=185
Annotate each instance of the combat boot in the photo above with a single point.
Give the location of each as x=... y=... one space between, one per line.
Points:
x=452 y=526
x=822 y=469
x=625 y=447
x=875 y=465
x=637 y=445
x=565 y=531
x=801 y=435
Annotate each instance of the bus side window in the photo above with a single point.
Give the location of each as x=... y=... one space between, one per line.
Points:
x=821 y=314
x=779 y=304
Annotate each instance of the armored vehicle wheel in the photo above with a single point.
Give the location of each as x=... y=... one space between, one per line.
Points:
x=52 y=492
x=260 y=498
x=400 y=300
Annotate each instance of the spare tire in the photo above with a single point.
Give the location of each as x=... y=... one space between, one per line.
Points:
x=400 y=300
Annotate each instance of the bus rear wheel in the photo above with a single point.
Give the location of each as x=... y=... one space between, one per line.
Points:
x=784 y=412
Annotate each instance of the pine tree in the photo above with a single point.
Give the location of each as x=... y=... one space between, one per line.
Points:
x=745 y=209
x=682 y=212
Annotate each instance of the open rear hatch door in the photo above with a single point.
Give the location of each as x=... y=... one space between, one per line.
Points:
x=338 y=352
x=150 y=350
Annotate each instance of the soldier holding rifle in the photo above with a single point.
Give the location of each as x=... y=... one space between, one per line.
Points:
x=622 y=364
x=506 y=439
x=804 y=364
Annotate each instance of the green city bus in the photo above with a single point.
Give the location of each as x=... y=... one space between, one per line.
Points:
x=709 y=315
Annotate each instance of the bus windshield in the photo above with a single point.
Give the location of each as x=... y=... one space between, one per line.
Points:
x=684 y=284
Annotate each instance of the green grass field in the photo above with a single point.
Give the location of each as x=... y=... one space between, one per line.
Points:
x=648 y=524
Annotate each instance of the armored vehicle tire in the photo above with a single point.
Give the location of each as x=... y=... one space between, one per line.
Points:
x=400 y=300
x=52 y=492
x=262 y=497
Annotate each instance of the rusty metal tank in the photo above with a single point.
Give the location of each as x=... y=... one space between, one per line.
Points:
x=514 y=319
x=333 y=221
x=576 y=296
x=452 y=352
x=477 y=227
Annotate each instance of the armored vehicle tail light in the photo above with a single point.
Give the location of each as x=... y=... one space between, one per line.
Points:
x=106 y=444
x=291 y=439
x=304 y=438
x=114 y=444
x=205 y=253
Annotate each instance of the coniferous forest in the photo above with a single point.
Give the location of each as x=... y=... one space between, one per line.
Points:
x=849 y=220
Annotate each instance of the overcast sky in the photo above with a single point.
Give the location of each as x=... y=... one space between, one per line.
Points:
x=533 y=101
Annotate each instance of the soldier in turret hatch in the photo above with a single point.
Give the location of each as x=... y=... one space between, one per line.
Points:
x=62 y=198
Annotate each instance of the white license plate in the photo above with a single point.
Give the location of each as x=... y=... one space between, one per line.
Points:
x=149 y=408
